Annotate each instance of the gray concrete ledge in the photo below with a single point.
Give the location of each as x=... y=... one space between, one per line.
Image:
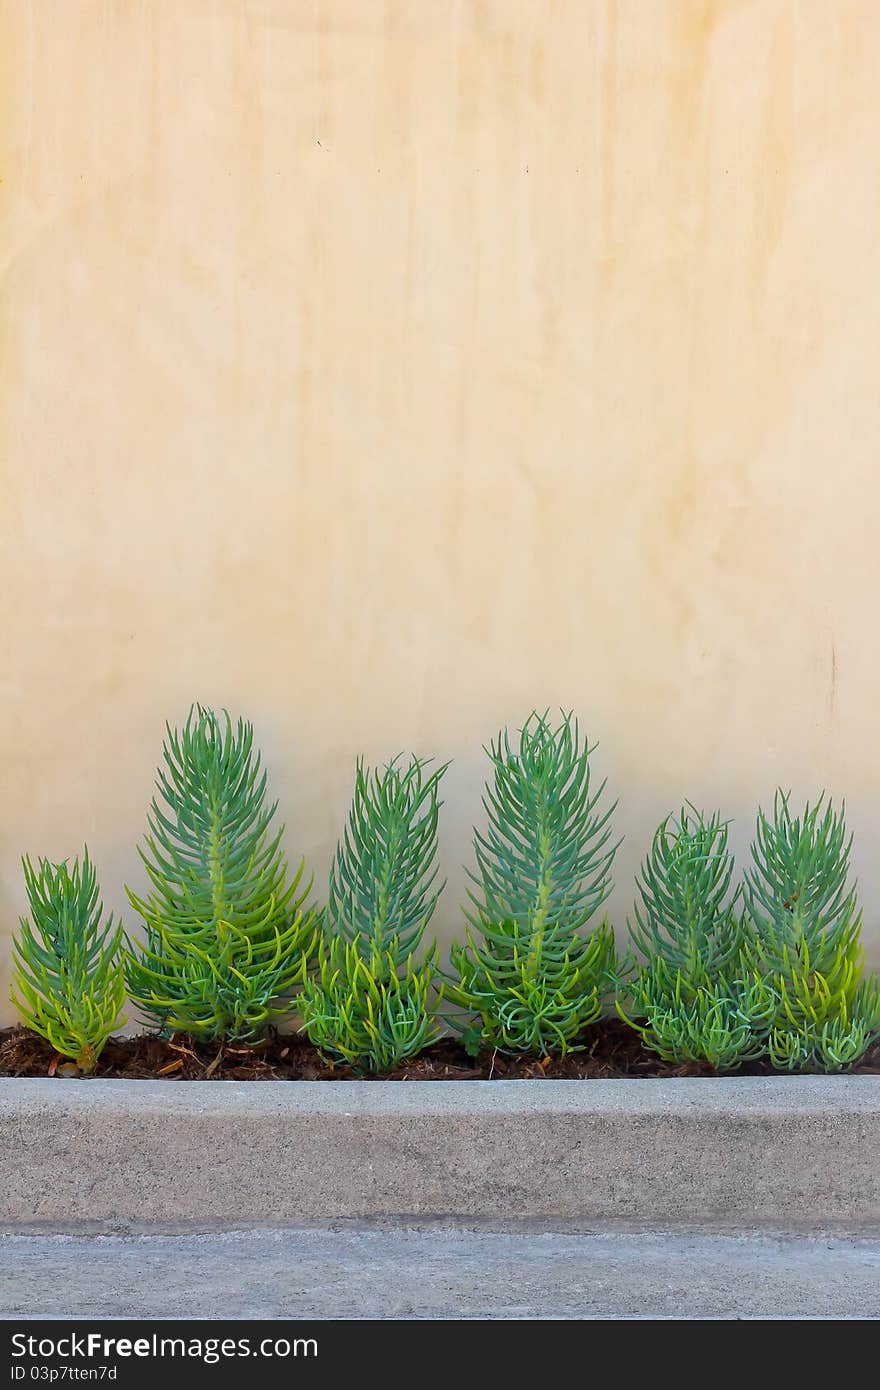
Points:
x=739 y=1152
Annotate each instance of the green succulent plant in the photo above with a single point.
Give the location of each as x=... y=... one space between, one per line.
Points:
x=226 y=932
x=801 y=909
x=695 y=999
x=369 y=1002
x=527 y=976
x=68 y=983
x=805 y=938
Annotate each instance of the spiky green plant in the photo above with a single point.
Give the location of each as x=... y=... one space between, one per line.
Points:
x=369 y=1002
x=226 y=932
x=68 y=984
x=535 y=981
x=806 y=938
x=685 y=913
x=695 y=999
x=799 y=902
x=383 y=873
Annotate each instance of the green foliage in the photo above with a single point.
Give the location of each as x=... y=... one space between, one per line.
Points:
x=225 y=932
x=721 y=1022
x=786 y=980
x=826 y=1033
x=67 y=982
x=535 y=981
x=546 y=855
x=369 y=1003
x=361 y=1010
x=805 y=938
x=532 y=991
x=695 y=999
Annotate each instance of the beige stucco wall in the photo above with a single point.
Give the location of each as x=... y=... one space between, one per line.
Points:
x=383 y=368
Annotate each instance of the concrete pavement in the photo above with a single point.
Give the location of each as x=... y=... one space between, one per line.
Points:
x=439 y=1271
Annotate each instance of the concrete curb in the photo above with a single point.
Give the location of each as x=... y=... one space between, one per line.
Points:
x=750 y=1152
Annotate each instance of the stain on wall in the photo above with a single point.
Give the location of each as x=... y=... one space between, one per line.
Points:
x=383 y=370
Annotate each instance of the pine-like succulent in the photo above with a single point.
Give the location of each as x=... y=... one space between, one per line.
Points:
x=369 y=1002
x=226 y=933
x=805 y=938
x=685 y=913
x=695 y=999
x=528 y=977
x=383 y=874
x=68 y=984
x=799 y=902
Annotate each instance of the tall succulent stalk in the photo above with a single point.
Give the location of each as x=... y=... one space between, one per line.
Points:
x=67 y=980
x=527 y=975
x=226 y=933
x=370 y=1001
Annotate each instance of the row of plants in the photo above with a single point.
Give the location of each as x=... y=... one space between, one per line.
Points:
x=718 y=970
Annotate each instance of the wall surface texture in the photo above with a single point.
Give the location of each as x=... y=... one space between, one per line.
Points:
x=381 y=369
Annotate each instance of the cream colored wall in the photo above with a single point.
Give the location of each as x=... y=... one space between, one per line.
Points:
x=382 y=370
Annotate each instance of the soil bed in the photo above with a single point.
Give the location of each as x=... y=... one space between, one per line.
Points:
x=613 y=1051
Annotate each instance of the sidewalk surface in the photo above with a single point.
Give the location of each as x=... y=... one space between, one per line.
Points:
x=438 y=1272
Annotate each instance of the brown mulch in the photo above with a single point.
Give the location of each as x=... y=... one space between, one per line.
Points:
x=612 y=1050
